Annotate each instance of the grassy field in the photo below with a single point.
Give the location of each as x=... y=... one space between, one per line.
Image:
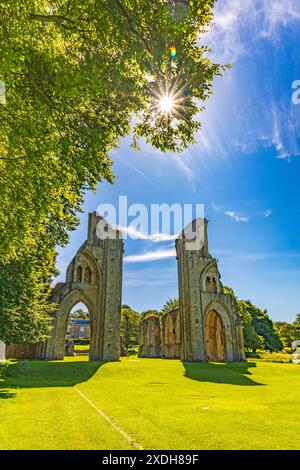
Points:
x=157 y=404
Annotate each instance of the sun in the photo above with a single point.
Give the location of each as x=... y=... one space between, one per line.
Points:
x=169 y=99
x=166 y=104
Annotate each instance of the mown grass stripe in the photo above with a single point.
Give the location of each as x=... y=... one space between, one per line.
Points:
x=110 y=421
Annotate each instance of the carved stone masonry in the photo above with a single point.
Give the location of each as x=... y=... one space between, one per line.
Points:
x=207 y=325
x=94 y=277
x=211 y=327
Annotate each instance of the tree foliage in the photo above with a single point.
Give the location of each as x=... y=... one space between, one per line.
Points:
x=251 y=339
x=79 y=314
x=259 y=329
x=130 y=321
x=77 y=74
x=288 y=332
x=170 y=305
x=296 y=323
x=24 y=289
x=150 y=312
x=263 y=326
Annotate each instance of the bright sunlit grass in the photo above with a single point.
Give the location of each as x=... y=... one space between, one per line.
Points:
x=161 y=404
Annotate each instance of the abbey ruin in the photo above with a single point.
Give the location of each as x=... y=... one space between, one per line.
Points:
x=206 y=325
x=94 y=277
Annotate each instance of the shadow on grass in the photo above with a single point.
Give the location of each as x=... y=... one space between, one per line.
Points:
x=4 y=394
x=234 y=373
x=36 y=374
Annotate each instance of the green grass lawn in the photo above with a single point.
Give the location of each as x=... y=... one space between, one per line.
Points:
x=160 y=404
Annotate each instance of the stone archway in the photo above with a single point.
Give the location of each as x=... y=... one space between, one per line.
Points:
x=79 y=326
x=207 y=325
x=56 y=346
x=200 y=293
x=94 y=277
x=215 y=341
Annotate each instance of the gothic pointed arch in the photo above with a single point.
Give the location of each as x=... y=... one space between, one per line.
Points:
x=209 y=318
x=93 y=277
x=210 y=279
x=224 y=337
x=215 y=340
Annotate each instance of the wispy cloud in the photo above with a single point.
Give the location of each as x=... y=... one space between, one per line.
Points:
x=236 y=216
x=135 y=234
x=277 y=138
x=267 y=213
x=283 y=135
x=151 y=256
x=260 y=256
x=258 y=18
x=150 y=276
x=132 y=167
x=185 y=164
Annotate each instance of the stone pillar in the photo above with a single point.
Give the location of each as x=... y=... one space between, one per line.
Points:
x=101 y=256
x=2 y=352
x=150 y=337
x=171 y=335
x=192 y=251
x=105 y=340
x=200 y=293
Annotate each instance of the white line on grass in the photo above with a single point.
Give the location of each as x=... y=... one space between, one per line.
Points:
x=114 y=425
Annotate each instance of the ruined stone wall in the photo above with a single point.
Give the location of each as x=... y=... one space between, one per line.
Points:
x=161 y=337
x=94 y=277
x=150 y=337
x=201 y=293
x=21 y=351
x=171 y=334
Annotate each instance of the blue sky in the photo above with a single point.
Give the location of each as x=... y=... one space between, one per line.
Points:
x=244 y=168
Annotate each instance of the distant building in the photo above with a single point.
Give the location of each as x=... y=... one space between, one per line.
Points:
x=79 y=328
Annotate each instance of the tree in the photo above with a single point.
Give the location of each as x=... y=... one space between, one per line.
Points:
x=251 y=339
x=150 y=312
x=259 y=330
x=130 y=321
x=170 y=305
x=296 y=323
x=263 y=326
x=80 y=314
x=76 y=74
x=297 y=320
x=24 y=289
x=288 y=332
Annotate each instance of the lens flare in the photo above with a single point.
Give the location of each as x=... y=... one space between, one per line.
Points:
x=170 y=100
x=166 y=104
x=173 y=52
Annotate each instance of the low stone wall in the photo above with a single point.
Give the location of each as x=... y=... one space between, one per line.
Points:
x=150 y=337
x=21 y=351
x=161 y=337
x=171 y=335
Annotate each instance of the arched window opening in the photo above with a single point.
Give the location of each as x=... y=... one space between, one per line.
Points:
x=211 y=284
x=215 y=337
x=78 y=331
x=79 y=274
x=87 y=275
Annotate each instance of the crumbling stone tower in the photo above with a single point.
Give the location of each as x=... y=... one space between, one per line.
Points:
x=94 y=277
x=211 y=327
